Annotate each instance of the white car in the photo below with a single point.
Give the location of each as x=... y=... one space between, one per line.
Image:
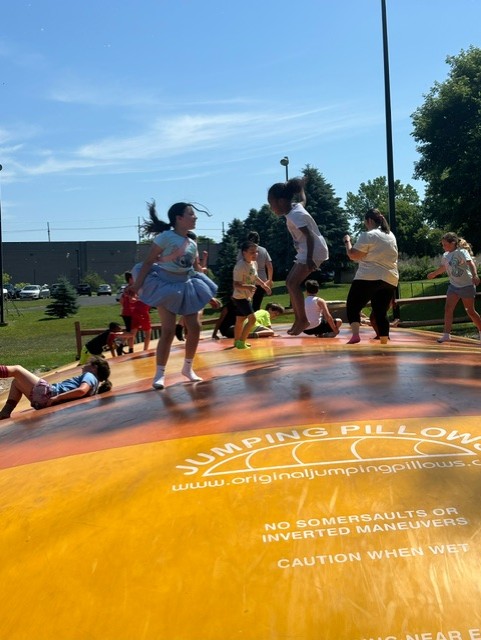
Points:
x=5 y=293
x=34 y=292
x=104 y=290
x=120 y=292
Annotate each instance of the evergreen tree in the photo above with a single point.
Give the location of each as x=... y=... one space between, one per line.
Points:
x=226 y=260
x=274 y=237
x=324 y=207
x=64 y=301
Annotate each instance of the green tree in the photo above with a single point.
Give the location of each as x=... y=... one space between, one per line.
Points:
x=273 y=236
x=414 y=235
x=93 y=279
x=64 y=301
x=226 y=260
x=448 y=134
x=324 y=206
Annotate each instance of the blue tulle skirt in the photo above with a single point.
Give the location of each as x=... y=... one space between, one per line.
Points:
x=180 y=293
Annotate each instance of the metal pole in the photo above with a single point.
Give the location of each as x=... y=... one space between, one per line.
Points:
x=2 y=301
x=389 y=146
x=285 y=163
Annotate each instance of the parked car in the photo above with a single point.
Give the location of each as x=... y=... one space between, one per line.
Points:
x=120 y=292
x=5 y=293
x=104 y=290
x=12 y=291
x=83 y=289
x=34 y=292
x=324 y=274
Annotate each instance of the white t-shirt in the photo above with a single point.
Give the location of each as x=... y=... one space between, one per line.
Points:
x=456 y=263
x=313 y=313
x=380 y=263
x=245 y=273
x=263 y=258
x=299 y=218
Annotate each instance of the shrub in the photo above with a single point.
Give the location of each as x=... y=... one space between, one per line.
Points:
x=416 y=268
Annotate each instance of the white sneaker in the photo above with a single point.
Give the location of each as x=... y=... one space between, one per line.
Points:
x=159 y=383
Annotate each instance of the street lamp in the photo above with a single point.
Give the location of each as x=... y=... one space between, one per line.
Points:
x=2 y=319
x=285 y=163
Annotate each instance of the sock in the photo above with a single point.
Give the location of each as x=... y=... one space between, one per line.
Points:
x=3 y=371
x=354 y=339
x=188 y=372
x=444 y=338
x=159 y=378
x=7 y=409
x=240 y=344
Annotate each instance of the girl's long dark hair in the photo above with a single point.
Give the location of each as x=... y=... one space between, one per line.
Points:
x=155 y=225
x=287 y=190
x=103 y=373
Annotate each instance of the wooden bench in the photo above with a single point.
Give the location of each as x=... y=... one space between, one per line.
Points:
x=155 y=334
x=427 y=299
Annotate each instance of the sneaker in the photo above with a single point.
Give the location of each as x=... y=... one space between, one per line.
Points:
x=158 y=383
x=443 y=339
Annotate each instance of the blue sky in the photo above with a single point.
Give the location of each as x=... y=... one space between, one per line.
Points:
x=105 y=105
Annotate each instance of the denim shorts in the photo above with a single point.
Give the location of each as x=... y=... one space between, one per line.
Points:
x=40 y=394
x=463 y=292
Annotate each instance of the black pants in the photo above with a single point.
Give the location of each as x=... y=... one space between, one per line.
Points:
x=380 y=294
x=257 y=298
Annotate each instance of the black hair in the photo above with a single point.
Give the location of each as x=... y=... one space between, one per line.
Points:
x=312 y=286
x=254 y=236
x=156 y=225
x=287 y=190
x=273 y=306
x=378 y=218
x=247 y=244
x=103 y=373
x=127 y=276
x=114 y=326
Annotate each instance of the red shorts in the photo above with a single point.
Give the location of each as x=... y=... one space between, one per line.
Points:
x=141 y=321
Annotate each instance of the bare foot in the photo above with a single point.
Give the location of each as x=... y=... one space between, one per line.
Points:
x=298 y=327
x=354 y=340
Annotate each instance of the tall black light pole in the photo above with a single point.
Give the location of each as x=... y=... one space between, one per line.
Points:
x=389 y=149
x=2 y=301
x=285 y=163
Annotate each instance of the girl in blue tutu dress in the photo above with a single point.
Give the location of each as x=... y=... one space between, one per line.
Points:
x=168 y=280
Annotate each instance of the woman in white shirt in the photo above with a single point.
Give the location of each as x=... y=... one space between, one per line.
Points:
x=377 y=276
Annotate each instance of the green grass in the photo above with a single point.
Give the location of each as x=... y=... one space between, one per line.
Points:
x=41 y=343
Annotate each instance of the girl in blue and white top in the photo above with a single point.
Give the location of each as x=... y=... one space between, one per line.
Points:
x=44 y=394
x=458 y=263
x=309 y=243
x=168 y=280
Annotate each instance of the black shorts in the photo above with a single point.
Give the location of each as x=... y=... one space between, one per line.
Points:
x=243 y=307
x=320 y=330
